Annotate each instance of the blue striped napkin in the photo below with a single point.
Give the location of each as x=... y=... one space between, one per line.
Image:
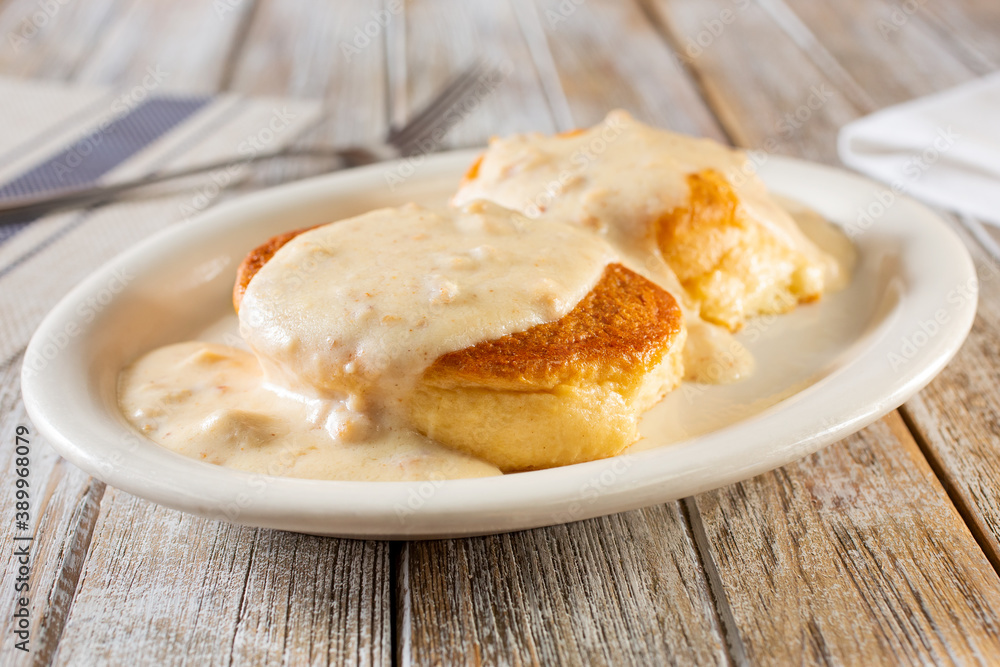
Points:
x=54 y=137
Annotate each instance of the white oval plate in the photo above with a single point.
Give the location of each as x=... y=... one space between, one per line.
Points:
x=824 y=371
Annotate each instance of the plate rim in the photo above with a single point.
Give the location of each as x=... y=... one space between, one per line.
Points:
x=470 y=506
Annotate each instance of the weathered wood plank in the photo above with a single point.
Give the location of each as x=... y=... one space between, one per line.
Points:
x=186 y=42
x=64 y=503
x=619 y=590
x=51 y=42
x=754 y=84
x=157 y=584
x=855 y=554
x=310 y=49
x=627 y=66
x=968 y=27
x=957 y=420
x=625 y=589
x=956 y=417
x=439 y=40
x=854 y=36
x=161 y=587
x=821 y=565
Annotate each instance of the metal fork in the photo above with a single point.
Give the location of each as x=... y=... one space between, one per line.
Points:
x=399 y=142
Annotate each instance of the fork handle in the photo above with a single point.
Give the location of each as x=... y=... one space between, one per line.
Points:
x=14 y=210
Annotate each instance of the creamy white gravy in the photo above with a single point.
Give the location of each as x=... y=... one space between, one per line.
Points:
x=344 y=318
x=342 y=321
x=617 y=178
x=206 y=401
x=825 y=235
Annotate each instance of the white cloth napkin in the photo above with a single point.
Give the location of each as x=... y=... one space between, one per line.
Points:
x=943 y=149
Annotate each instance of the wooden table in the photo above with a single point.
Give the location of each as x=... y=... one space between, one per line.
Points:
x=883 y=548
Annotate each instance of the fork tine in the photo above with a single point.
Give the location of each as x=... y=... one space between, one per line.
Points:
x=402 y=139
x=444 y=96
x=416 y=127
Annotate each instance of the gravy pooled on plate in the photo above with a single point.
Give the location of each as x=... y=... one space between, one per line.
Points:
x=342 y=321
x=347 y=322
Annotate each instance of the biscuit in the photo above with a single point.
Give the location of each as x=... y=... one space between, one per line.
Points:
x=558 y=393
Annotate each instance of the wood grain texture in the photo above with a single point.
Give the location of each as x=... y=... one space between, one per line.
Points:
x=114 y=42
x=64 y=505
x=187 y=42
x=165 y=588
x=855 y=36
x=628 y=66
x=853 y=556
x=619 y=590
x=312 y=49
x=439 y=39
x=51 y=44
x=956 y=418
x=968 y=27
x=754 y=76
x=161 y=587
x=846 y=575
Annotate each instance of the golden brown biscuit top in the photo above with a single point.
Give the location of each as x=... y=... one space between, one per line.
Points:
x=623 y=326
x=618 y=331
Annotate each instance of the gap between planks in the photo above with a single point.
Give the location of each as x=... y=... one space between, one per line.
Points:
x=824 y=61
x=398 y=590
x=700 y=82
x=724 y=618
x=689 y=509
x=239 y=42
x=979 y=244
x=74 y=556
x=963 y=508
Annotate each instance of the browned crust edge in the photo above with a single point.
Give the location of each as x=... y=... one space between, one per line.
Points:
x=257 y=258
x=625 y=322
